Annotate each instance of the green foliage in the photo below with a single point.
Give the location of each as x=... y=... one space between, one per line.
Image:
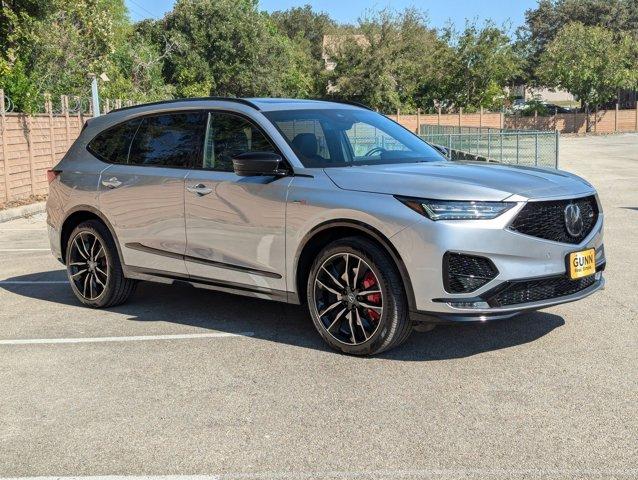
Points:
x=473 y=68
x=543 y=23
x=306 y=29
x=389 y=60
x=592 y=63
x=53 y=46
x=229 y=48
x=382 y=64
x=534 y=106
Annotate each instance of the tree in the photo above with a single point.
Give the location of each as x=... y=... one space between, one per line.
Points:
x=306 y=25
x=52 y=46
x=229 y=48
x=306 y=30
x=543 y=23
x=472 y=68
x=382 y=64
x=592 y=63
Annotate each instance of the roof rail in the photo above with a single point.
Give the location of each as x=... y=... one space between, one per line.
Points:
x=345 y=102
x=194 y=99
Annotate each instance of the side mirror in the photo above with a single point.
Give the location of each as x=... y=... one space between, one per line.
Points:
x=252 y=164
x=444 y=151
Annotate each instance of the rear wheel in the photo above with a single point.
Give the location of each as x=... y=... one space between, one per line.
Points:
x=93 y=267
x=356 y=298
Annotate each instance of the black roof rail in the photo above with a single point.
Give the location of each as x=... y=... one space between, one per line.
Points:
x=192 y=99
x=345 y=102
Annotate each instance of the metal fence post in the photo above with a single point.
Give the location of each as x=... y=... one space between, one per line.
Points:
x=536 y=149
x=517 y=149
x=449 y=146
x=501 y=135
x=556 y=153
x=489 y=144
x=51 y=127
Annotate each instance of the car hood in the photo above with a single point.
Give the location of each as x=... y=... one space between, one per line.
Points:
x=447 y=180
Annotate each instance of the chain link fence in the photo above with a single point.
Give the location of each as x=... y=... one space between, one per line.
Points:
x=519 y=147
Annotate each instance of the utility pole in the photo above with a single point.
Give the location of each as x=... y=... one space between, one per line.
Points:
x=95 y=97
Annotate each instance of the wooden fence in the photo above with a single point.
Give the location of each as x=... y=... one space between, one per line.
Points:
x=603 y=121
x=29 y=145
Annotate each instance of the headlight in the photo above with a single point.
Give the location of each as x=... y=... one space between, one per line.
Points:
x=456 y=210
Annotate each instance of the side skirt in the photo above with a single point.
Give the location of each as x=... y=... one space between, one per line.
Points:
x=161 y=276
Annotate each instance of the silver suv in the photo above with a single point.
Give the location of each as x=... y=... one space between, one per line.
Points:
x=324 y=203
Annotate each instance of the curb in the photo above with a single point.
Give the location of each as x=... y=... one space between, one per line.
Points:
x=22 y=211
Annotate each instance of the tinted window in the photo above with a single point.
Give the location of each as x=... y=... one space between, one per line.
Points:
x=306 y=137
x=351 y=137
x=171 y=140
x=228 y=135
x=112 y=145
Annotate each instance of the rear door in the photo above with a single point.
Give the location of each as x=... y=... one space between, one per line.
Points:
x=142 y=193
x=235 y=225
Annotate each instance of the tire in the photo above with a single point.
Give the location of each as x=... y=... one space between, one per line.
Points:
x=362 y=332
x=91 y=249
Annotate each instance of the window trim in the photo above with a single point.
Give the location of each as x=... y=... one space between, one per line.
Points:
x=200 y=151
x=205 y=112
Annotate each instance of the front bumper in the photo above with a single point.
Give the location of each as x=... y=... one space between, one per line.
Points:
x=502 y=313
x=516 y=256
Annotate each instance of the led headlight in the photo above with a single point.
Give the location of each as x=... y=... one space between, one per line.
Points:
x=456 y=210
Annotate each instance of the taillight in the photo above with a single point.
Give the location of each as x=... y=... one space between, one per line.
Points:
x=52 y=175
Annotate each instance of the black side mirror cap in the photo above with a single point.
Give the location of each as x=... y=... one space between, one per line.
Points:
x=253 y=164
x=441 y=149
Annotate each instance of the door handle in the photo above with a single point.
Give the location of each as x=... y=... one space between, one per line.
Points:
x=112 y=182
x=199 y=189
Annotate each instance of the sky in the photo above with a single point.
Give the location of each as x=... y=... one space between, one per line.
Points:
x=502 y=12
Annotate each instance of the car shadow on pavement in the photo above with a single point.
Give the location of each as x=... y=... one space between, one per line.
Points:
x=282 y=323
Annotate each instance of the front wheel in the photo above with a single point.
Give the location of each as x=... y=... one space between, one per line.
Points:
x=93 y=267
x=356 y=298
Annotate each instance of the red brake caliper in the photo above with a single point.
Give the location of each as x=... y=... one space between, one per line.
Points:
x=368 y=282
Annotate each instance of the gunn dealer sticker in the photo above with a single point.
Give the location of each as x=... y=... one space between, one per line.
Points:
x=582 y=264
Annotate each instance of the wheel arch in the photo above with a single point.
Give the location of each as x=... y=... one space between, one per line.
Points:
x=77 y=215
x=325 y=233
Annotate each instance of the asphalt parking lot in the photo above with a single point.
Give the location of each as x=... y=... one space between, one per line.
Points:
x=201 y=383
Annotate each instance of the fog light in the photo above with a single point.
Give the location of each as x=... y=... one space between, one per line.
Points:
x=469 y=304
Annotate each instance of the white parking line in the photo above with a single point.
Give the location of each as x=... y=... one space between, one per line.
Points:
x=137 y=338
x=433 y=473
x=25 y=250
x=30 y=282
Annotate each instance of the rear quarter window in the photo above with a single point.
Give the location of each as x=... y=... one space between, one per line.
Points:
x=113 y=144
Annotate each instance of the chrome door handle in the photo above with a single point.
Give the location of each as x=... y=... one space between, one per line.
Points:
x=199 y=189
x=112 y=182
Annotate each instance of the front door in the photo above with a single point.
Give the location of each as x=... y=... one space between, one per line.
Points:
x=235 y=226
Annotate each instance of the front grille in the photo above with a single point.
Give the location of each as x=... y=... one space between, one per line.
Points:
x=525 y=291
x=465 y=273
x=547 y=219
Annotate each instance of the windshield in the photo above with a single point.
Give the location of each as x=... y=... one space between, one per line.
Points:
x=347 y=137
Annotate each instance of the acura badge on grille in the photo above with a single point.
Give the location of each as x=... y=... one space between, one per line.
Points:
x=573 y=220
